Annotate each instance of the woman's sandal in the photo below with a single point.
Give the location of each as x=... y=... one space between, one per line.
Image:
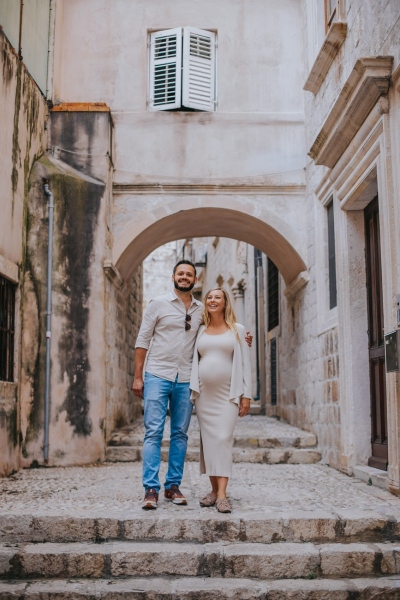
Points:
x=223 y=505
x=208 y=500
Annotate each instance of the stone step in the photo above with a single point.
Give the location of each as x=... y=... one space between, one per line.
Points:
x=274 y=456
x=184 y=525
x=155 y=559
x=199 y=588
x=306 y=440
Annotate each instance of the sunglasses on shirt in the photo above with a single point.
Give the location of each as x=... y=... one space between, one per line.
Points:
x=188 y=326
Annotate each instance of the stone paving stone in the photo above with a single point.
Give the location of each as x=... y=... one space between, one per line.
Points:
x=115 y=491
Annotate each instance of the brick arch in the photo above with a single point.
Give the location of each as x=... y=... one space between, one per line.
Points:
x=269 y=233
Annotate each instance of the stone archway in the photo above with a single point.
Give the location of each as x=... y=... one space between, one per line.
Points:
x=242 y=221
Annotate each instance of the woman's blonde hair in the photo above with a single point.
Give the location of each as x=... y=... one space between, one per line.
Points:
x=229 y=315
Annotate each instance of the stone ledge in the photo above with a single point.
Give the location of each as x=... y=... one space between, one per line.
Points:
x=373 y=476
x=201 y=588
x=8 y=269
x=331 y=46
x=369 y=79
x=196 y=189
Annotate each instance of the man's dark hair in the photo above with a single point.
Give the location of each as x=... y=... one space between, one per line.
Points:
x=184 y=262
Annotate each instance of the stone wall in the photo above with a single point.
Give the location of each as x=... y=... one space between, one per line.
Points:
x=124 y=315
x=22 y=139
x=80 y=185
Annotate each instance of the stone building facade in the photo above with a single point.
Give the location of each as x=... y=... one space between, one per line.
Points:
x=283 y=145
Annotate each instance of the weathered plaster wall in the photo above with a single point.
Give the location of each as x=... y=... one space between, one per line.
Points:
x=260 y=78
x=22 y=139
x=80 y=185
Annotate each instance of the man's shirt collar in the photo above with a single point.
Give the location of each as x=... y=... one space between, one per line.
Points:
x=173 y=296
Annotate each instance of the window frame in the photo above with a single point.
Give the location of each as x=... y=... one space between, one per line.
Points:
x=184 y=63
x=8 y=301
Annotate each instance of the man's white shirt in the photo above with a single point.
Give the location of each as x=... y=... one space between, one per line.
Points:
x=162 y=333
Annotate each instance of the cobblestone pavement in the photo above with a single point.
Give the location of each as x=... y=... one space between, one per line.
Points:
x=116 y=490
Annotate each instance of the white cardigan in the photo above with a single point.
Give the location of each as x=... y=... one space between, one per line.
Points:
x=241 y=369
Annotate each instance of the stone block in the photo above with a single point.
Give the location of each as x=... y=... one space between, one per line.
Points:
x=347 y=560
x=63 y=529
x=15 y=528
x=362 y=525
x=304 y=457
x=144 y=559
x=7 y=553
x=264 y=561
x=123 y=454
x=265 y=530
x=317 y=527
x=63 y=560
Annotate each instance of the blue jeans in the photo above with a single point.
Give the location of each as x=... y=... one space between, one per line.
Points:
x=157 y=393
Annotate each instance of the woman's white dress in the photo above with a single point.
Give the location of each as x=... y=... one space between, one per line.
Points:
x=217 y=415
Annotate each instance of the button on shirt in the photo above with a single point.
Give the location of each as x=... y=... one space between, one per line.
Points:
x=162 y=333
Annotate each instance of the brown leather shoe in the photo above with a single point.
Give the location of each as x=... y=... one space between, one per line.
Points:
x=150 y=499
x=174 y=495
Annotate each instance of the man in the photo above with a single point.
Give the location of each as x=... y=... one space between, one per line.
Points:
x=167 y=336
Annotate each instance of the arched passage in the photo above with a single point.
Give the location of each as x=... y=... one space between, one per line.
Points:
x=277 y=240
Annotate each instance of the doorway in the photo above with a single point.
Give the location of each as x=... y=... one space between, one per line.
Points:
x=376 y=348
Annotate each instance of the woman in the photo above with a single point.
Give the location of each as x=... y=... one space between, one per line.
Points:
x=221 y=390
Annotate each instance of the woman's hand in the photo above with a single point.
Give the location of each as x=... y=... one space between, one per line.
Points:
x=244 y=407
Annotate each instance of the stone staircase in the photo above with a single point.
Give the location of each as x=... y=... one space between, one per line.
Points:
x=257 y=440
x=297 y=531
x=211 y=556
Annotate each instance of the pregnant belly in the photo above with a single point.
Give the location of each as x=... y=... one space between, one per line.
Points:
x=214 y=372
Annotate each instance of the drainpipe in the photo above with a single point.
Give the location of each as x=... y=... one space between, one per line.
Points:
x=50 y=52
x=48 y=320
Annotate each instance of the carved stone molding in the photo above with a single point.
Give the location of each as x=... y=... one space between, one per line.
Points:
x=369 y=80
x=297 y=284
x=113 y=274
x=331 y=46
x=206 y=189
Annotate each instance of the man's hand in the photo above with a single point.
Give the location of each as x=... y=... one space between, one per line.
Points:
x=138 y=386
x=249 y=338
x=244 y=407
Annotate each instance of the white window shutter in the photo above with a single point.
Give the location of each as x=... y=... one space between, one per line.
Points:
x=165 y=69
x=198 y=81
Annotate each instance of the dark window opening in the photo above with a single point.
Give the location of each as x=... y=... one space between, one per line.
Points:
x=7 y=329
x=331 y=257
x=274 y=387
x=273 y=295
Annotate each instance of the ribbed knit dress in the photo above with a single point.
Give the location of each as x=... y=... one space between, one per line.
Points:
x=217 y=415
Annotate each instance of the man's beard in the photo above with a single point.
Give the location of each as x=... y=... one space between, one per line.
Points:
x=184 y=289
